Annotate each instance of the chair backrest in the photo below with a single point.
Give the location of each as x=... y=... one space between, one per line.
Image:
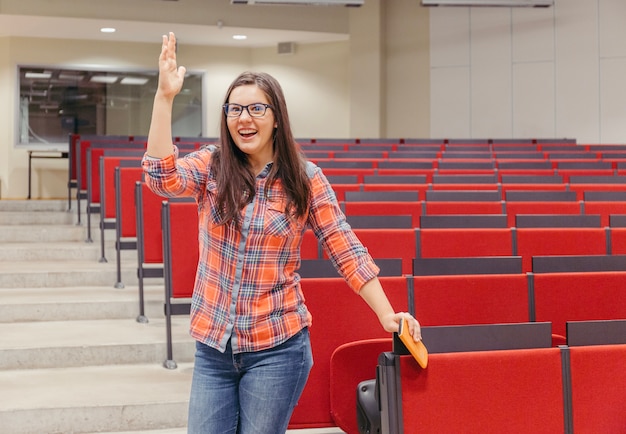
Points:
x=350 y=364
x=578 y=296
x=531 y=179
x=584 y=165
x=339 y=317
x=179 y=222
x=463 y=221
x=486 y=337
x=467 y=265
x=558 y=221
x=463 y=195
x=605 y=332
x=435 y=207
x=468 y=165
x=390 y=243
x=512 y=208
x=405 y=164
x=149 y=232
x=463 y=242
x=325 y=268
x=470 y=299
x=125 y=180
x=544 y=164
x=598 y=179
x=395 y=179
x=380 y=221
x=345 y=163
x=607 y=210
x=540 y=195
x=465 y=179
x=343 y=179
x=617 y=220
x=605 y=196
x=578 y=263
x=382 y=196
x=512 y=391
x=598 y=383
x=531 y=242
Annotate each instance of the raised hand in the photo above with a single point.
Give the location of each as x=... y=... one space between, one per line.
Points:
x=171 y=76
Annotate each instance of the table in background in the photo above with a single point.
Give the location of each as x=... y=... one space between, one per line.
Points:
x=37 y=154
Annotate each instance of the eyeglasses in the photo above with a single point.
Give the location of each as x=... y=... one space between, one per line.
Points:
x=255 y=110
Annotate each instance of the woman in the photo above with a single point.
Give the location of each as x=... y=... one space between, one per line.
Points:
x=256 y=196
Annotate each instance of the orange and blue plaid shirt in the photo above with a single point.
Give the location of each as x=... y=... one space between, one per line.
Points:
x=247 y=288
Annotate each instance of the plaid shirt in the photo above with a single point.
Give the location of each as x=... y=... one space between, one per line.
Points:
x=247 y=288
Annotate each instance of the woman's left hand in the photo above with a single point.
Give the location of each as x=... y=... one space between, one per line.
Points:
x=391 y=323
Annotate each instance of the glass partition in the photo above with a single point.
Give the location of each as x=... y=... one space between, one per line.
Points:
x=54 y=102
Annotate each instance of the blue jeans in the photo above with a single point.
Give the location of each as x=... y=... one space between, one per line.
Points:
x=248 y=393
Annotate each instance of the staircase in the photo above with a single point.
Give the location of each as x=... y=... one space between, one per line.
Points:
x=73 y=359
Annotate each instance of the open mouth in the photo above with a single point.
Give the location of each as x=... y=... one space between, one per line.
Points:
x=246 y=134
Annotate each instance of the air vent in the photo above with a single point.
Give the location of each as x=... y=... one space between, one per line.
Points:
x=353 y=3
x=490 y=3
x=286 y=48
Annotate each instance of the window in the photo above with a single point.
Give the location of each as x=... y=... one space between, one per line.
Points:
x=56 y=102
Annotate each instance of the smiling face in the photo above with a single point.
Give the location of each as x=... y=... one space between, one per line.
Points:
x=254 y=136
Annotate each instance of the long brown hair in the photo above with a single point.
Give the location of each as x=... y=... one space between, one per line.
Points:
x=234 y=175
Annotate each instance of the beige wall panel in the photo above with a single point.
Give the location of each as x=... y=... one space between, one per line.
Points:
x=533 y=35
x=613 y=100
x=317 y=97
x=533 y=100
x=367 y=57
x=449 y=37
x=491 y=73
x=612 y=16
x=407 y=73
x=577 y=71
x=450 y=103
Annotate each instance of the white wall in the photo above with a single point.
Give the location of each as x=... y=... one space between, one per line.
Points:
x=315 y=80
x=530 y=72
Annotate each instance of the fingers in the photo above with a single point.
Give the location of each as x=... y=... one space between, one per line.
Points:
x=168 y=48
x=414 y=326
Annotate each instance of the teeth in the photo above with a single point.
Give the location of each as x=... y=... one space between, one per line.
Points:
x=247 y=131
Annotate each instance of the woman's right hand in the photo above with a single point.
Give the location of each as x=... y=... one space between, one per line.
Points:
x=171 y=76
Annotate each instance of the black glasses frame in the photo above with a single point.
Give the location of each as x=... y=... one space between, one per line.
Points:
x=228 y=114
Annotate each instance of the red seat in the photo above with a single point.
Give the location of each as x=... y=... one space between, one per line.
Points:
x=444 y=207
x=598 y=381
x=559 y=241
x=605 y=209
x=350 y=364
x=460 y=242
x=390 y=243
x=506 y=391
x=339 y=317
x=471 y=299
x=386 y=208
x=578 y=296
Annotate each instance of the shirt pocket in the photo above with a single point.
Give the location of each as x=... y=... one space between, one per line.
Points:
x=278 y=223
x=208 y=204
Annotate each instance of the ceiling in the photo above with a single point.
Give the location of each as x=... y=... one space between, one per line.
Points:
x=216 y=33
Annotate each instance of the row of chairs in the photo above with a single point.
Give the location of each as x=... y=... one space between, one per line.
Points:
x=91 y=177
x=539 y=390
x=487 y=158
x=431 y=240
x=79 y=146
x=346 y=378
x=306 y=415
x=436 y=300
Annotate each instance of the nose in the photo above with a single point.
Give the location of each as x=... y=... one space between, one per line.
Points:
x=245 y=112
